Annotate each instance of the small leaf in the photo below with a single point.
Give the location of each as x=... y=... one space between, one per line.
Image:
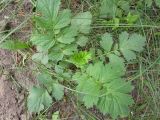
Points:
x=55 y=116
x=82 y=22
x=148 y=3
x=131 y=19
x=69 y=49
x=106 y=42
x=13 y=45
x=80 y=59
x=82 y=40
x=124 y=5
x=157 y=3
x=129 y=55
x=58 y=91
x=41 y=57
x=38 y=99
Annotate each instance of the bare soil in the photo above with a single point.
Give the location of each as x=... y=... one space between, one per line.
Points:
x=12 y=105
x=12 y=96
x=14 y=83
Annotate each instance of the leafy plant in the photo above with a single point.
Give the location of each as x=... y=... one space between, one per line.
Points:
x=13 y=45
x=58 y=31
x=113 y=8
x=55 y=116
x=59 y=38
x=64 y=50
x=150 y=2
x=128 y=45
x=104 y=87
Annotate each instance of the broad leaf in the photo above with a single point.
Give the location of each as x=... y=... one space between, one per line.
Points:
x=131 y=44
x=48 y=8
x=13 y=45
x=89 y=89
x=115 y=99
x=68 y=35
x=63 y=19
x=110 y=93
x=56 y=56
x=46 y=80
x=108 y=72
x=82 y=22
x=45 y=42
x=38 y=99
x=70 y=49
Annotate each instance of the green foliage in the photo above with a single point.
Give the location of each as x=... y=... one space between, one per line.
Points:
x=42 y=57
x=13 y=45
x=131 y=44
x=150 y=2
x=38 y=99
x=113 y=8
x=58 y=91
x=80 y=59
x=128 y=44
x=62 y=41
x=157 y=3
x=108 y=93
x=83 y=22
x=131 y=19
x=106 y=42
x=55 y=116
x=58 y=31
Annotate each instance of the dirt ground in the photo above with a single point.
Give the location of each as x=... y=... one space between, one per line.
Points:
x=14 y=83
x=12 y=97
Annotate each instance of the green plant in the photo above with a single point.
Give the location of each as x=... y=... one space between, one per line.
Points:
x=150 y=2
x=113 y=8
x=62 y=47
x=13 y=45
x=58 y=37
